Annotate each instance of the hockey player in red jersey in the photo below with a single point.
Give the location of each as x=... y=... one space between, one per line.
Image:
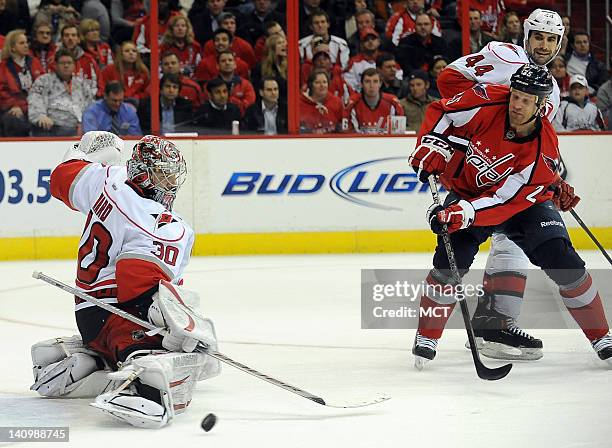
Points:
x=132 y=254
x=499 y=158
x=495 y=326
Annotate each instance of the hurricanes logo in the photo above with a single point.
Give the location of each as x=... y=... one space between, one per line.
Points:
x=162 y=219
x=487 y=168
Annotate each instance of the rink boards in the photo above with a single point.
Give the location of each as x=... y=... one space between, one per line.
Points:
x=301 y=195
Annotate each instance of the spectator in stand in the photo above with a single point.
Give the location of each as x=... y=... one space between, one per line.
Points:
x=491 y=14
x=416 y=102
x=124 y=14
x=568 y=37
x=59 y=13
x=270 y=29
x=18 y=71
x=178 y=39
x=478 y=38
x=319 y=24
x=437 y=64
x=370 y=43
x=92 y=45
x=392 y=82
x=217 y=114
x=208 y=68
x=130 y=71
x=558 y=69
x=204 y=16
x=403 y=22
x=240 y=47
x=42 y=47
x=95 y=10
x=274 y=64
x=8 y=21
x=190 y=89
x=337 y=84
x=417 y=49
x=582 y=62
x=57 y=100
x=308 y=7
x=320 y=111
x=175 y=112
x=604 y=101
x=241 y=91
x=252 y=24
x=142 y=27
x=267 y=115
x=112 y=114
x=371 y=112
x=576 y=112
x=363 y=19
x=512 y=29
x=86 y=66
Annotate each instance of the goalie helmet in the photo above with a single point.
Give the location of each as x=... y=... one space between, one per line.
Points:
x=158 y=168
x=545 y=21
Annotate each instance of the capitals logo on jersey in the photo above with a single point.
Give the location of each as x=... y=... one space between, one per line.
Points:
x=553 y=164
x=490 y=171
x=481 y=91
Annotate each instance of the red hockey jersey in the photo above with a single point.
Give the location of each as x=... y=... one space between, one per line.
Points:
x=189 y=56
x=498 y=173
x=363 y=119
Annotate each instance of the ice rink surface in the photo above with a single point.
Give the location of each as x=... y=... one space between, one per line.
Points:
x=298 y=319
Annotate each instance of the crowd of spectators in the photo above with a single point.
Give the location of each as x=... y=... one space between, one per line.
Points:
x=366 y=66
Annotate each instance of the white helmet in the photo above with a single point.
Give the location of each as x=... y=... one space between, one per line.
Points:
x=546 y=21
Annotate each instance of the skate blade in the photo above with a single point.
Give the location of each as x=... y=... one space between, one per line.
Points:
x=495 y=350
x=479 y=343
x=419 y=362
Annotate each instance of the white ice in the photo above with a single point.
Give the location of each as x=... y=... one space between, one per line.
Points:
x=298 y=319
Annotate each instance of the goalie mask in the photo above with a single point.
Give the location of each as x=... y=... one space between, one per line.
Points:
x=158 y=168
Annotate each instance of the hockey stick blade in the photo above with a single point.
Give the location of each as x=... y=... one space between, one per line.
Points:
x=202 y=348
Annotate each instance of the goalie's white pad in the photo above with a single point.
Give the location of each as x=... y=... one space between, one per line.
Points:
x=63 y=367
x=97 y=146
x=171 y=375
x=186 y=326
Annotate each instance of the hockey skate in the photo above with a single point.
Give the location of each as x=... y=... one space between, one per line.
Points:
x=603 y=347
x=424 y=350
x=499 y=337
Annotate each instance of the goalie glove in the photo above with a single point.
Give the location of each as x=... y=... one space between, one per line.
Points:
x=97 y=146
x=456 y=217
x=430 y=156
x=185 y=326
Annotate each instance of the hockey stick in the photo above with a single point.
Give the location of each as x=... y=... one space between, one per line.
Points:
x=483 y=371
x=203 y=348
x=589 y=233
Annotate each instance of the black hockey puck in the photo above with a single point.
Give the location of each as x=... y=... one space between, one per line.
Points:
x=208 y=422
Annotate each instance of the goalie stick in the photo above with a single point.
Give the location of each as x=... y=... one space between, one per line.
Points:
x=483 y=371
x=203 y=348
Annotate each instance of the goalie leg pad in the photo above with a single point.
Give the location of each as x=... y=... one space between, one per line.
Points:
x=63 y=367
x=163 y=388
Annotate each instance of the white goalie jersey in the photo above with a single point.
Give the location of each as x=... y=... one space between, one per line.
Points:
x=494 y=64
x=129 y=243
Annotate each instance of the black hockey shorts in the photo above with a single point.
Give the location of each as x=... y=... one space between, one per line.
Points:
x=530 y=229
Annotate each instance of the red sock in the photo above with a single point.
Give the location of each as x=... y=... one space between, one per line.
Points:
x=584 y=304
x=433 y=315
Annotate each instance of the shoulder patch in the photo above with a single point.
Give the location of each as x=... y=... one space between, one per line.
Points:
x=481 y=91
x=162 y=219
x=552 y=164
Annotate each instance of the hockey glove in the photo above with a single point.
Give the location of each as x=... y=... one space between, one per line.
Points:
x=430 y=156
x=564 y=197
x=456 y=216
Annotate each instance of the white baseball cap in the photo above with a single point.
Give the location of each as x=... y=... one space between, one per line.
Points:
x=578 y=79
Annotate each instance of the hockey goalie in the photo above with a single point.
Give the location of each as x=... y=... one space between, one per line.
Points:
x=132 y=254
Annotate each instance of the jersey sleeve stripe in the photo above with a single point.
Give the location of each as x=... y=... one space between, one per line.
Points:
x=507 y=62
x=147 y=258
x=75 y=182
